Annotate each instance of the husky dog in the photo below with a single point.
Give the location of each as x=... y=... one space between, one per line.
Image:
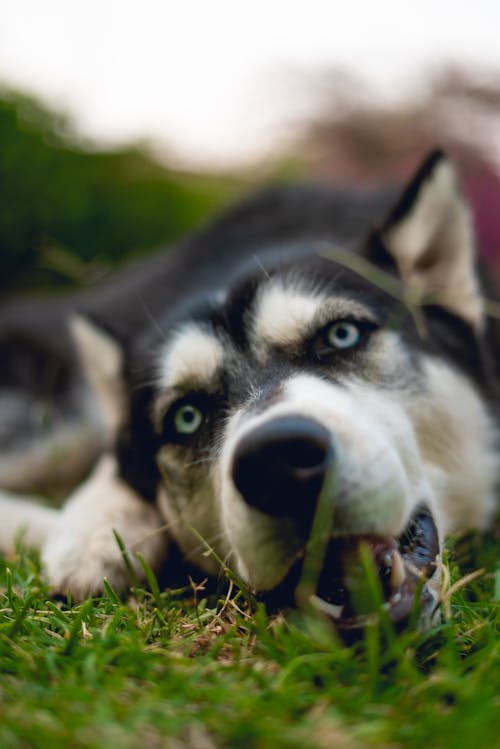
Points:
x=291 y=369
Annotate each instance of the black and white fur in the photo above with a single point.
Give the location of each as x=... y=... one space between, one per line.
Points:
x=275 y=359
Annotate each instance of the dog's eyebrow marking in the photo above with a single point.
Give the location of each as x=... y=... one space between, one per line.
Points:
x=285 y=315
x=193 y=359
x=282 y=313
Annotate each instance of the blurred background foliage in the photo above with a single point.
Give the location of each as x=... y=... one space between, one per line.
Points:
x=69 y=210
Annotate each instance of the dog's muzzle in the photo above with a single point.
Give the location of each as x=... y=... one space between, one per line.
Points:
x=279 y=467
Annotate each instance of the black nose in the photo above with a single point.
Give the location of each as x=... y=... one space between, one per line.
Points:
x=279 y=467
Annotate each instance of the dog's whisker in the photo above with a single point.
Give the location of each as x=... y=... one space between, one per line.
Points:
x=261 y=266
x=198 y=461
x=151 y=317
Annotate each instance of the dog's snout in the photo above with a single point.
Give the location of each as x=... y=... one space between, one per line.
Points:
x=279 y=467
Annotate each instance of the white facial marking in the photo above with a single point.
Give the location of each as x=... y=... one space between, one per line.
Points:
x=283 y=313
x=377 y=461
x=193 y=358
x=376 y=454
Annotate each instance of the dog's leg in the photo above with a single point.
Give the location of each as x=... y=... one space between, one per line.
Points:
x=20 y=515
x=81 y=548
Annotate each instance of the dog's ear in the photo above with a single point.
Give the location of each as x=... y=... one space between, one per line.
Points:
x=105 y=360
x=102 y=359
x=429 y=237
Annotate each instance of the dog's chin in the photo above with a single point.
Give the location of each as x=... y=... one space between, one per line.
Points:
x=407 y=567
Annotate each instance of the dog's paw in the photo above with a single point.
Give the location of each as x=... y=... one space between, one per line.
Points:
x=80 y=564
x=81 y=549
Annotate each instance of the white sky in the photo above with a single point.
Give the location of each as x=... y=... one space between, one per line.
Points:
x=204 y=76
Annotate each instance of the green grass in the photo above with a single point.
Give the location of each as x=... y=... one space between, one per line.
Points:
x=186 y=669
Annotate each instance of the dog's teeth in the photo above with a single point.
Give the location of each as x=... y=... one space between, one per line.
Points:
x=332 y=609
x=398 y=573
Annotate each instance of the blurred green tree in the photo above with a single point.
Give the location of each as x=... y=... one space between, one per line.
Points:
x=69 y=211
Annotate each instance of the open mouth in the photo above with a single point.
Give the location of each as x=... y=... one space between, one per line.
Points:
x=403 y=565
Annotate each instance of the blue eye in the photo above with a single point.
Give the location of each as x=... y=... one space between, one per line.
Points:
x=187 y=419
x=343 y=334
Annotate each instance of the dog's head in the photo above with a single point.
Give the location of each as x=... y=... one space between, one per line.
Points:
x=350 y=381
